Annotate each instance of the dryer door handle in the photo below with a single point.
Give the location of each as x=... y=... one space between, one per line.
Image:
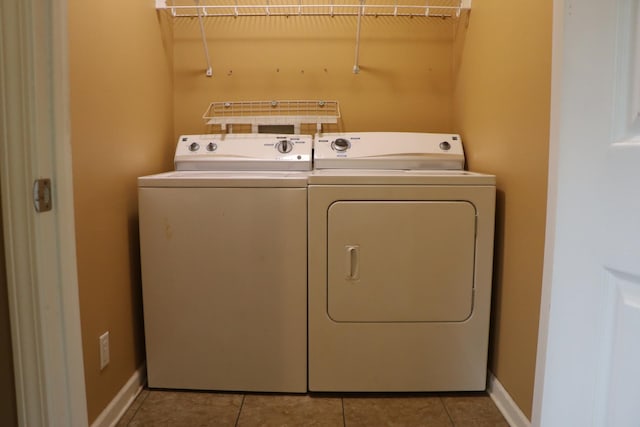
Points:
x=352 y=263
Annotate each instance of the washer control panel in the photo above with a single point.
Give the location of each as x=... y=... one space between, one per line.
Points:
x=240 y=152
x=388 y=150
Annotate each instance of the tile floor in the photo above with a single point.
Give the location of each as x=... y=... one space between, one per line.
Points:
x=187 y=409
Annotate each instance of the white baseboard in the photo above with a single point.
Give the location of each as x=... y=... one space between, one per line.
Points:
x=505 y=404
x=121 y=402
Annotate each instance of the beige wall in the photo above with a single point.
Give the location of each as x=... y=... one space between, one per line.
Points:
x=8 y=414
x=503 y=66
x=405 y=82
x=121 y=125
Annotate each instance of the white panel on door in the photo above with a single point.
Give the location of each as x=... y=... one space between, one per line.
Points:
x=627 y=82
x=620 y=373
x=400 y=261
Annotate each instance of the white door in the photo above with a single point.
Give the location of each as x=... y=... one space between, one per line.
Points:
x=589 y=350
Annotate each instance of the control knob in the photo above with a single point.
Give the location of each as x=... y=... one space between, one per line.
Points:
x=445 y=145
x=212 y=146
x=194 y=146
x=341 y=144
x=284 y=146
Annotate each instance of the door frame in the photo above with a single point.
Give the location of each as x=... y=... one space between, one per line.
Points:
x=40 y=247
x=552 y=197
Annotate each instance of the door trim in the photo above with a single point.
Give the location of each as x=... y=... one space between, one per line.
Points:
x=40 y=248
x=552 y=196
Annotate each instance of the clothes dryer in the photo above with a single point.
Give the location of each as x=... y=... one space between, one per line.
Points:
x=223 y=248
x=400 y=262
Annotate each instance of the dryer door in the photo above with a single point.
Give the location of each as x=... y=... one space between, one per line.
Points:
x=400 y=261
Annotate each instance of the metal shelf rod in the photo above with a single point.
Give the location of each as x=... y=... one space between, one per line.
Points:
x=356 y=65
x=209 y=71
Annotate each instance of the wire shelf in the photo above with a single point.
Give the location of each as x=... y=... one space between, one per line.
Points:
x=237 y=8
x=201 y=9
x=257 y=113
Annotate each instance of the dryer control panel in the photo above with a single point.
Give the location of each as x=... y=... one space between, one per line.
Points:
x=389 y=150
x=244 y=152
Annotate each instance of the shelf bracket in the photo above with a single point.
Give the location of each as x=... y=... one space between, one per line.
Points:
x=464 y=5
x=209 y=71
x=356 y=65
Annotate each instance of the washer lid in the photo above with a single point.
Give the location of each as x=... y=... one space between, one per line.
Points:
x=243 y=152
x=388 y=150
x=236 y=179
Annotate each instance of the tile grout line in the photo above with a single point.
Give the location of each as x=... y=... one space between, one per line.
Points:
x=453 y=424
x=240 y=410
x=344 y=418
x=144 y=399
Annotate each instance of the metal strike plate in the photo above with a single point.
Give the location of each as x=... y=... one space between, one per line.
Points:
x=42 y=195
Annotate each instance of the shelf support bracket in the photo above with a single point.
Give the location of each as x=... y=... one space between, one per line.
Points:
x=356 y=66
x=209 y=71
x=464 y=5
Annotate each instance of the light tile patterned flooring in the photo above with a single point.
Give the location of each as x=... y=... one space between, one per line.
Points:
x=198 y=409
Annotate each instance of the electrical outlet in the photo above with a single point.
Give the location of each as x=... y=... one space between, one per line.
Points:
x=104 y=350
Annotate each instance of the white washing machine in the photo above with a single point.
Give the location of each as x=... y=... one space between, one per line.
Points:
x=224 y=266
x=400 y=262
